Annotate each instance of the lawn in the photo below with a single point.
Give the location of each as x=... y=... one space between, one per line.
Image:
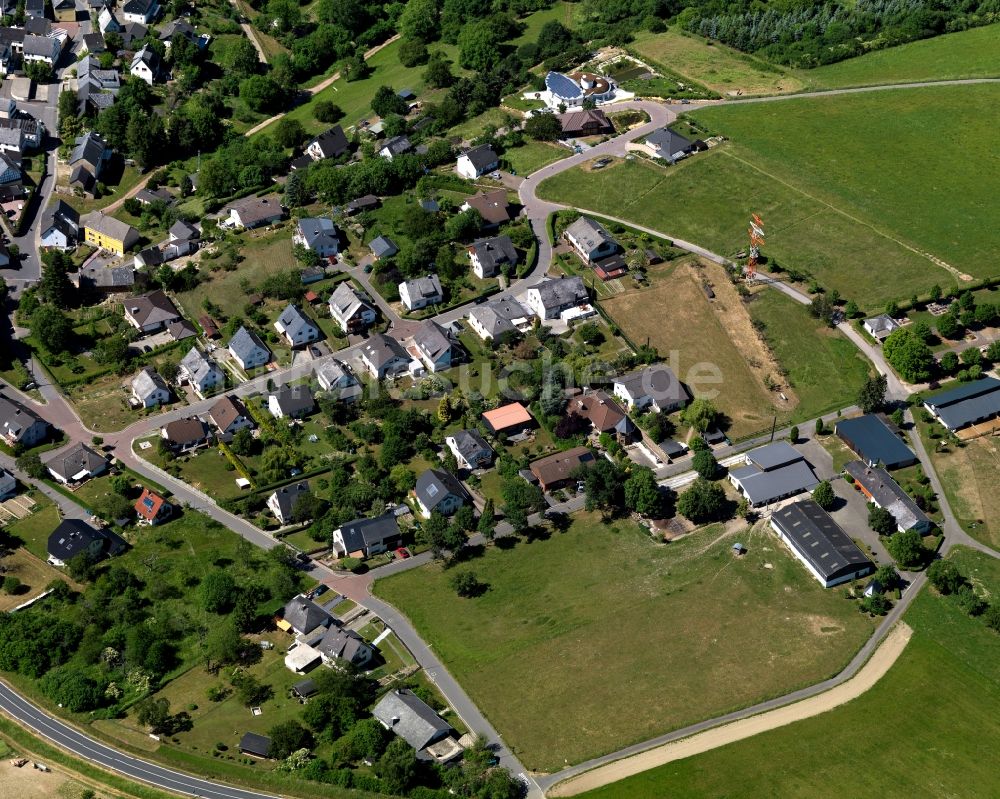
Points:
x=720 y=68
x=935 y=713
x=825 y=369
x=708 y=200
x=968 y=474
x=130 y=176
x=34 y=530
x=634 y=640
x=676 y=318
x=974 y=53
x=533 y=155
x=875 y=161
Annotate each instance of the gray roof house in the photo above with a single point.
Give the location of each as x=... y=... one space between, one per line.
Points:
x=76 y=464
x=498 y=316
x=470 y=449
x=433 y=346
x=297 y=328
x=421 y=292
x=820 y=544
x=330 y=144
x=352 y=312
x=397 y=145
x=303 y=615
x=252 y=212
x=438 y=490
x=668 y=145
x=149 y=389
x=383 y=247
x=410 y=718
x=488 y=256
x=90 y=153
x=8 y=484
x=382 y=355
x=201 y=372
x=477 y=162
x=883 y=491
x=318 y=234
x=654 y=386
x=183 y=231
x=363 y=538
x=549 y=298
x=107 y=279
x=255 y=745
x=147 y=66
x=74 y=537
x=590 y=240
x=291 y=402
x=59 y=226
x=879 y=327
x=337 y=644
x=333 y=375
x=773 y=472
x=20 y=425
x=150 y=312
x=248 y=350
x=283 y=501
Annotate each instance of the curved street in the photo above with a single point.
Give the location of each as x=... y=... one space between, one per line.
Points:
x=57 y=410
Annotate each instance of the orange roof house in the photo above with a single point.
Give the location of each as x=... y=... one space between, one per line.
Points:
x=152 y=508
x=509 y=418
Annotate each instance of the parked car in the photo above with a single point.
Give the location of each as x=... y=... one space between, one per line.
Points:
x=402 y=553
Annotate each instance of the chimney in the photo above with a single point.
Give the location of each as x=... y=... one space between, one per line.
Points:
x=394 y=721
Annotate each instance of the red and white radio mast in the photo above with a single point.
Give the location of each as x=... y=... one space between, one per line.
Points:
x=756 y=232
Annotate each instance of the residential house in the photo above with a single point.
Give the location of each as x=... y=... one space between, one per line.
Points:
x=669 y=146
x=87 y=162
x=968 y=404
x=283 y=501
x=252 y=212
x=884 y=492
x=107 y=279
x=150 y=312
x=318 y=234
x=337 y=645
x=230 y=415
x=34 y=9
x=493 y=319
x=383 y=356
x=369 y=202
x=96 y=88
x=8 y=484
x=771 y=473
x=20 y=133
x=180 y=330
x=248 y=350
x=590 y=240
x=820 y=544
x=201 y=372
x=297 y=328
x=585 y=122
x=488 y=256
x=64 y=10
x=141 y=12
x=363 y=538
x=555 y=471
x=152 y=509
x=186 y=435
x=412 y=719
x=871 y=439
x=151 y=256
x=184 y=231
x=291 y=402
x=655 y=387
x=45 y=49
x=477 y=162
x=438 y=490
x=10 y=168
x=549 y=298
x=434 y=347
x=509 y=420
x=255 y=745
x=311 y=274
x=577 y=88
x=178 y=27
x=59 y=226
x=330 y=144
x=74 y=537
x=879 y=327
x=334 y=376
x=76 y=464
x=90 y=43
x=421 y=292
x=470 y=449
x=302 y=616
x=19 y=425
x=382 y=247
x=397 y=145
x=149 y=389
x=350 y=310
x=492 y=206
x=604 y=414
x=107 y=233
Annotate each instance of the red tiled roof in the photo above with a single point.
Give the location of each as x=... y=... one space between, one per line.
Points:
x=149 y=504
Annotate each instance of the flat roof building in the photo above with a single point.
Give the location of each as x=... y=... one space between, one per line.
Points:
x=870 y=439
x=819 y=542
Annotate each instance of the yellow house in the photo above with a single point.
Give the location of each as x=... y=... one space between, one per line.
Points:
x=107 y=233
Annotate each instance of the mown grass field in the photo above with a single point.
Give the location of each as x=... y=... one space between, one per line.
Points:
x=825 y=369
x=928 y=728
x=597 y=637
x=727 y=71
x=974 y=53
x=533 y=155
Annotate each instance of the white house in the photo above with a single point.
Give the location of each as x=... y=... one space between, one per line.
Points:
x=654 y=386
x=248 y=350
x=477 y=162
x=433 y=346
x=283 y=501
x=149 y=389
x=383 y=356
x=297 y=328
x=421 y=292
x=201 y=372
x=147 y=66
x=879 y=327
x=349 y=310
x=142 y=12
x=549 y=298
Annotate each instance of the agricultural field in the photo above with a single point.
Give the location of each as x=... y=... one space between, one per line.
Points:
x=940 y=701
x=668 y=314
x=716 y=66
x=541 y=651
x=824 y=368
x=974 y=53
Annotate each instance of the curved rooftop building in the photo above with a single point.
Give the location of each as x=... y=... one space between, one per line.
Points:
x=571 y=90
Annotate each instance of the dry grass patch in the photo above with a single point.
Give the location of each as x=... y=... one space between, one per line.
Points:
x=969 y=474
x=33 y=572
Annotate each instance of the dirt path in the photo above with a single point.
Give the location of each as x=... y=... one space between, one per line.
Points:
x=870 y=673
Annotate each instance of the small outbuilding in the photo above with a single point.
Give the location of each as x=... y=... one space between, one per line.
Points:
x=255 y=745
